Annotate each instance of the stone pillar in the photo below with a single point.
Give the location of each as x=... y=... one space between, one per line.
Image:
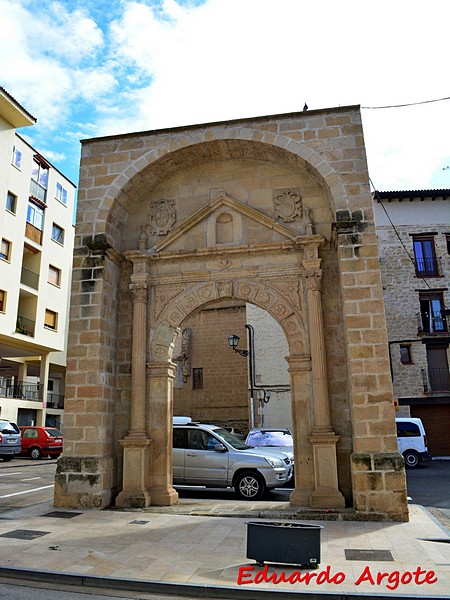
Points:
x=135 y=492
x=300 y=373
x=323 y=438
x=159 y=426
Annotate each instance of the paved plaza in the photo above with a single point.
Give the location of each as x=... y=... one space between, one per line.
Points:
x=201 y=547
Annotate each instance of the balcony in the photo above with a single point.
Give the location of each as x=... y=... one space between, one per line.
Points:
x=29 y=278
x=38 y=191
x=432 y=322
x=436 y=380
x=55 y=400
x=19 y=389
x=428 y=267
x=33 y=233
x=25 y=326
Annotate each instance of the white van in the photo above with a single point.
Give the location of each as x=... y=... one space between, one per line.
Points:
x=412 y=441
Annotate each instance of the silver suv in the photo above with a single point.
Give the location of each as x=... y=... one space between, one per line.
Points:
x=9 y=440
x=210 y=456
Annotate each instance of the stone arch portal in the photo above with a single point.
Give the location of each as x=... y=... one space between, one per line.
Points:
x=152 y=246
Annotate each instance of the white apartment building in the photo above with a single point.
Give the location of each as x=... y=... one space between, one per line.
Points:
x=413 y=229
x=36 y=236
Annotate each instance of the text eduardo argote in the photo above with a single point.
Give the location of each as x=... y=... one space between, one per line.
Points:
x=389 y=579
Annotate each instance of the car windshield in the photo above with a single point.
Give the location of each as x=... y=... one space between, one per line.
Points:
x=231 y=439
x=269 y=438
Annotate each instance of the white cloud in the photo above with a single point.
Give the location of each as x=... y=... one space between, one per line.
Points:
x=145 y=64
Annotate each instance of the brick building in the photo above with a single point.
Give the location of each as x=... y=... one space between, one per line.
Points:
x=413 y=229
x=272 y=211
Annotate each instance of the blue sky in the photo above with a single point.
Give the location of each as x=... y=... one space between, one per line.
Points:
x=88 y=68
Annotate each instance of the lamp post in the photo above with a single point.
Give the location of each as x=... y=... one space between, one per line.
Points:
x=263 y=397
x=233 y=340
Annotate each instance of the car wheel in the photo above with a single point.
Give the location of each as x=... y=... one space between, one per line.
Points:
x=250 y=486
x=7 y=458
x=412 y=459
x=35 y=453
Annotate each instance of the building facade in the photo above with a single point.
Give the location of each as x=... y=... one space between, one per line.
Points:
x=272 y=211
x=413 y=229
x=36 y=232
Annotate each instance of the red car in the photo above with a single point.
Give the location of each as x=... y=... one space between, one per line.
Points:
x=41 y=441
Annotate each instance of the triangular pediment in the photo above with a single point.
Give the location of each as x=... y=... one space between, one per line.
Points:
x=217 y=205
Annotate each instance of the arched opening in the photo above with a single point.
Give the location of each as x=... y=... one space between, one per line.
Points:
x=300 y=244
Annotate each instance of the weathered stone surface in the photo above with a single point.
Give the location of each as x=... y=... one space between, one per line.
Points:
x=313 y=267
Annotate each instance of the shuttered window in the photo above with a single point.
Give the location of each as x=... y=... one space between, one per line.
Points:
x=50 y=319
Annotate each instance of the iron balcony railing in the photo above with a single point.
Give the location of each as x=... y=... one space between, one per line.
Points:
x=55 y=400
x=25 y=326
x=436 y=380
x=19 y=389
x=428 y=267
x=432 y=322
x=29 y=278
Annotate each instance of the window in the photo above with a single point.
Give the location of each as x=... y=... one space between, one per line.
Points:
x=405 y=354
x=438 y=371
x=35 y=216
x=431 y=307
x=39 y=177
x=197 y=379
x=54 y=275
x=50 y=319
x=11 y=202
x=425 y=257
x=5 y=250
x=407 y=429
x=16 y=157
x=61 y=194
x=2 y=301
x=58 y=234
x=447 y=239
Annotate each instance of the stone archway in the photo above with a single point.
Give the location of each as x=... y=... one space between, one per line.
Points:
x=275 y=209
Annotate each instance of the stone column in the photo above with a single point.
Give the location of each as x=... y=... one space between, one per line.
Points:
x=300 y=373
x=135 y=492
x=159 y=424
x=323 y=438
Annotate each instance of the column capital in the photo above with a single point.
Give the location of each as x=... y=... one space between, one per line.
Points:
x=313 y=280
x=139 y=291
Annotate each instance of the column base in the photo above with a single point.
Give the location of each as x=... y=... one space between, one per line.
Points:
x=133 y=499
x=136 y=457
x=300 y=498
x=326 y=493
x=327 y=499
x=164 y=497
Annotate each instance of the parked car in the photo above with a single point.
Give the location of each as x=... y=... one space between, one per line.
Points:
x=9 y=440
x=412 y=441
x=211 y=456
x=41 y=441
x=272 y=437
x=279 y=438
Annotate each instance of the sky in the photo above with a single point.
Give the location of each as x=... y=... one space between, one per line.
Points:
x=89 y=68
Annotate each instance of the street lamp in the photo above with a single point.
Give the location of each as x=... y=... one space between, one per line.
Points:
x=263 y=397
x=233 y=340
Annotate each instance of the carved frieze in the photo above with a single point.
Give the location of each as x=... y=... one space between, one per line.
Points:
x=163 y=296
x=287 y=204
x=162 y=216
